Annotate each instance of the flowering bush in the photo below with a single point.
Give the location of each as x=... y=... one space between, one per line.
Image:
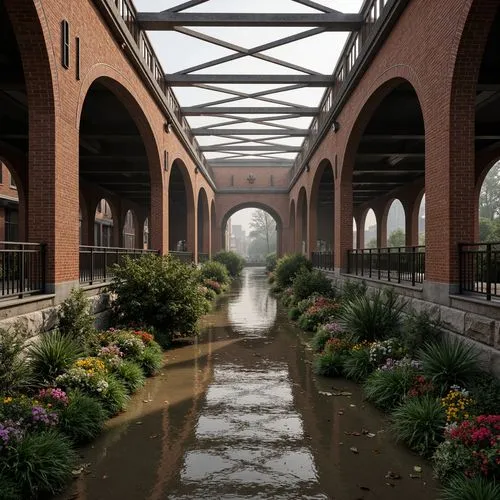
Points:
x=146 y=337
x=10 y=432
x=90 y=381
x=337 y=345
x=111 y=355
x=392 y=363
x=381 y=350
x=421 y=387
x=128 y=343
x=457 y=404
x=53 y=396
x=334 y=329
x=92 y=364
x=321 y=310
x=43 y=417
x=213 y=285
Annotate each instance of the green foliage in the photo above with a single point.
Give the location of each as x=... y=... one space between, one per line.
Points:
x=216 y=271
x=372 y=243
x=464 y=488
x=396 y=238
x=83 y=419
x=307 y=282
x=15 y=373
x=449 y=362
x=484 y=389
x=9 y=489
x=353 y=289
x=160 y=292
x=418 y=329
x=41 y=463
x=288 y=266
x=374 y=318
x=489 y=198
x=115 y=399
x=329 y=364
x=271 y=261
x=293 y=314
x=74 y=316
x=233 y=262
x=449 y=458
x=357 y=366
x=307 y=323
x=319 y=340
x=387 y=388
x=130 y=374
x=151 y=360
x=53 y=354
x=419 y=423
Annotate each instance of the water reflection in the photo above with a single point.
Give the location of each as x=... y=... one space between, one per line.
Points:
x=249 y=439
x=253 y=311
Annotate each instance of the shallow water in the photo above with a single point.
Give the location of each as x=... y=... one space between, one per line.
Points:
x=239 y=414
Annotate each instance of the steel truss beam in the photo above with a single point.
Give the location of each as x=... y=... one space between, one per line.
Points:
x=181 y=80
x=213 y=110
x=207 y=131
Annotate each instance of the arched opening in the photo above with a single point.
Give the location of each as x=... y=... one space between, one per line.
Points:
x=292 y=229
x=12 y=207
x=489 y=206
x=213 y=230
x=370 y=230
x=181 y=209
x=421 y=221
x=354 y=234
x=253 y=230
x=146 y=237
x=396 y=225
x=301 y=231
x=129 y=231
x=103 y=225
x=322 y=208
x=203 y=226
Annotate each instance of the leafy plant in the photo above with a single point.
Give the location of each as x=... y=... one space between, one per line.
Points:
x=151 y=360
x=464 y=488
x=41 y=463
x=357 y=366
x=419 y=422
x=75 y=318
x=329 y=364
x=233 y=262
x=15 y=373
x=130 y=374
x=307 y=282
x=114 y=400
x=271 y=261
x=52 y=355
x=387 y=388
x=288 y=266
x=353 y=289
x=373 y=318
x=450 y=458
x=160 y=292
x=216 y=271
x=418 y=329
x=9 y=489
x=449 y=362
x=83 y=419
x=485 y=390
x=293 y=314
x=319 y=339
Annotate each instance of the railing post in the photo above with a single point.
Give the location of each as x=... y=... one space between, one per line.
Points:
x=488 y=271
x=461 y=269
x=91 y=265
x=43 y=265
x=379 y=253
x=21 y=271
x=412 y=265
x=370 y=262
x=388 y=264
x=399 y=264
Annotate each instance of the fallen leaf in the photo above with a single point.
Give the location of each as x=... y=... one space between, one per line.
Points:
x=415 y=476
x=340 y=412
x=354 y=449
x=390 y=484
x=153 y=436
x=138 y=423
x=417 y=468
x=356 y=433
x=352 y=406
x=323 y=393
x=371 y=435
x=392 y=475
x=364 y=488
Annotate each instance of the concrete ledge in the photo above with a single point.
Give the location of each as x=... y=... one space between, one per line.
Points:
x=16 y=307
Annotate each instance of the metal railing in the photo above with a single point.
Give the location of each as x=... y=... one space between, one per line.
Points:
x=203 y=257
x=22 y=269
x=186 y=257
x=480 y=268
x=96 y=262
x=323 y=260
x=395 y=264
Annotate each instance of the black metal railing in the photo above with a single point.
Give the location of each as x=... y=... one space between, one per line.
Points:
x=480 y=268
x=322 y=260
x=186 y=257
x=396 y=264
x=22 y=269
x=96 y=262
x=203 y=257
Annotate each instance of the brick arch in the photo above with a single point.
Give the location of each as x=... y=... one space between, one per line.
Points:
x=203 y=208
x=301 y=221
x=16 y=166
x=291 y=227
x=384 y=216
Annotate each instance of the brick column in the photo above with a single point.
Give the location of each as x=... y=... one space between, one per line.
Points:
x=343 y=227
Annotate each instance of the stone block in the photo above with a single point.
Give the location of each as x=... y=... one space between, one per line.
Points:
x=433 y=310
x=479 y=328
x=102 y=320
x=453 y=319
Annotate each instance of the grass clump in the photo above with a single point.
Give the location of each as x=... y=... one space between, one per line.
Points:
x=477 y=488
x=307 y=282
x=130 y=374
x=358 y=366
x=215 y=271
x=419 y=422
x=294 y=313
x=151 y=359
x=328 y=364
x=15 y=373
x=114 y=400
x=287 y=268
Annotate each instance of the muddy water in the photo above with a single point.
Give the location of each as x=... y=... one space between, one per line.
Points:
x=240 y=415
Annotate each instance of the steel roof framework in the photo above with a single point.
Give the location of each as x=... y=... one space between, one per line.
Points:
x=243 y=141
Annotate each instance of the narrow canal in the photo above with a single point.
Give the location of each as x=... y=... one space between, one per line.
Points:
x=239 y=414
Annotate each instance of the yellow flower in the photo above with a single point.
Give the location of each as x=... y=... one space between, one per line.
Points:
x=7 y=400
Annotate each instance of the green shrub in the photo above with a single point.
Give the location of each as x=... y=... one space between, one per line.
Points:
x=418 y=329
x=307 y=283
x=271 y=261
x=115 y=399
x=449 y=458
x=419 y=422
x=215 y=271
x=319 y=340
x=53 y=354
x=353 y=289
x=83 y=419
x=130 y=374
x=484 y=389
x=9 y=489
x=387 y=388
x=329 y=364
x=449 y=362
x=378 y=317
x=15 y=373
x=74 y=316
x=293 y=314
x=464 y=488
x=357 y=366
x=151 y=360
x=288 y=266
x=233 y=262
x=41 y=463
x=160 y=292
x=307 y=323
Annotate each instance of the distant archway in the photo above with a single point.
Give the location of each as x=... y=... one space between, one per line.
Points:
x=203 y=223
x=370 y=230
x=301 y=232
x=322 y=207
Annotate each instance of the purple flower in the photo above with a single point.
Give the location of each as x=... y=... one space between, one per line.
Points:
x=9 y=431
x=40 y=415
